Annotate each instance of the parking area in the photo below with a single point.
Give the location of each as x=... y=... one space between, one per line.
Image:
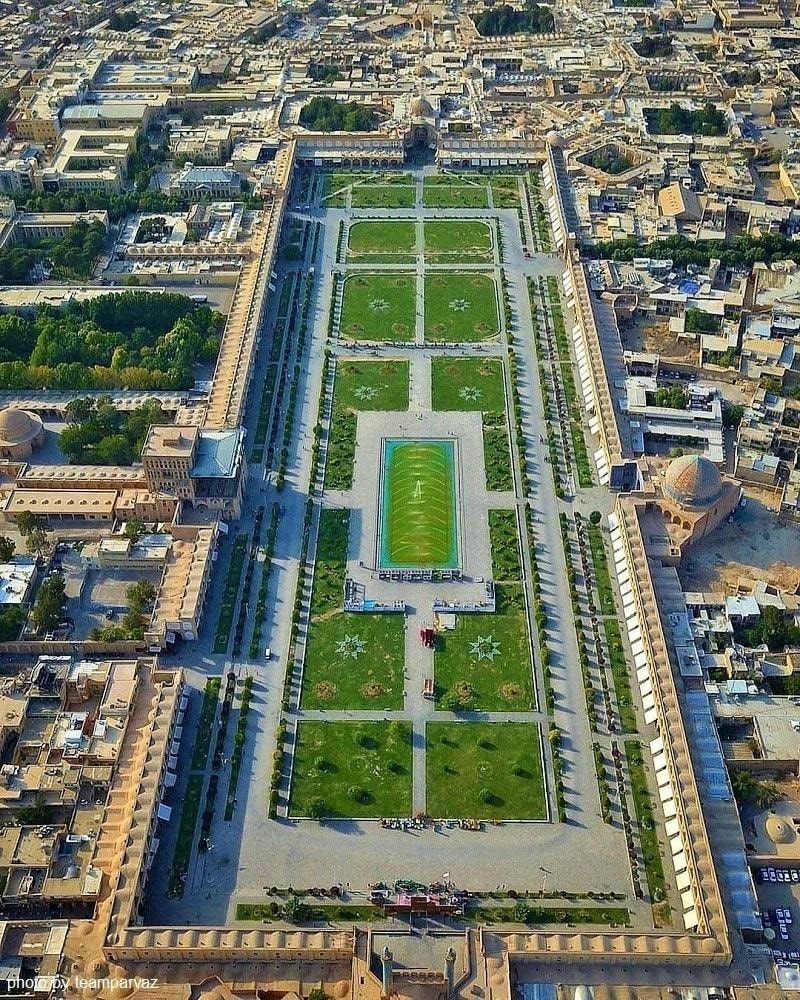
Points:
x=778 y=891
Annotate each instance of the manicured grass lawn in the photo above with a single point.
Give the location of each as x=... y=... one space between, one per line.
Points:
x=454 y=195
x=505 y=191
x=360 y=385
x=504 y=538
x=486 y=659
x=460 y=307
x=460 y=238
x=189 y=808
x=485 y=770
x=330 y=561
x=383 y=196
x=232 y=581
x=371 y=385
x=608 y=916
x=375 y=238
x=379 y=307
x=468 y=384
x=497 y=453
x=352 y=769
x=354 y=661
x=477 y=384
x=208 y=710
x=648 y=836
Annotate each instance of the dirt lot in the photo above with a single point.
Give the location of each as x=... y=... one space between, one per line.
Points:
x=757 y=546
x=654 y=336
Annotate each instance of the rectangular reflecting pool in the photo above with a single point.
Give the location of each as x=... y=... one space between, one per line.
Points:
x=418 y=511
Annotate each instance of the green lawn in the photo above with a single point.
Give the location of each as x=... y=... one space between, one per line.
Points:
x=505 y=190
x=485 y=663
x=458 y=238
x=354 y=661
x=351 y=769
x=330 y=561
x=460 y=307
x=189 y=809
x=374 y=239
x=379 y=307
x=504 y=538
x=383 y=196
x=371 y=385
x=468 y=384
x=418 y=519
x=645 y=817
x=454 y=195
x=230 y=593
x=485 y=770
x=477 y=384
x=497 y=453
x=360 y=385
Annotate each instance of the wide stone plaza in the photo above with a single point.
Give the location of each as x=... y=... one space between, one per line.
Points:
x=418 y=684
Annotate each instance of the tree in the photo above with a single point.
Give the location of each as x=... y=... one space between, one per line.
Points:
x=7 y=548
x=295 y=910
x=50 y=603
x=12 y=618
x=26 y=522
x=595 y=517
x=36 y=814
x=37 y=542
x=140 y=594
x=459 y=698
x=317 y=808
x=133 y=529
x=748 y=790
x=732 y=414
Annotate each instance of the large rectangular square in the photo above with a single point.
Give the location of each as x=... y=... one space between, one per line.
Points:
x=418 y=509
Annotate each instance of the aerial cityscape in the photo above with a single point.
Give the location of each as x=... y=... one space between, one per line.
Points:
x=400 y=500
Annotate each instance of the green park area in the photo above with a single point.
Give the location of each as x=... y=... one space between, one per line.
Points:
x=379 y=307
x=460 y=307
x=382 y=240
x=351 y=769
x=467 y=384
x=360 y=385
x=369 y=190
x=504 y=539
x=505 y=190
x=443 y=191
x=353 y=661
x=477 y=384
x=462 y=239
x=383 y=196
x=485 y=770
x=484 y=664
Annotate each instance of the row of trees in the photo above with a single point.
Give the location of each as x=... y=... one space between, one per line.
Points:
x=71 y=256
x=103 y=435
x=135 y=340
x=740 y=251
x=506 y=20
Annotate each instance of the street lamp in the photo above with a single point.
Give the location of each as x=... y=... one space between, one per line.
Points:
x=545 y=872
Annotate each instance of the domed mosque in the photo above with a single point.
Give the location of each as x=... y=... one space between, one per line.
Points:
x=20 y=433
x=695 y=499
